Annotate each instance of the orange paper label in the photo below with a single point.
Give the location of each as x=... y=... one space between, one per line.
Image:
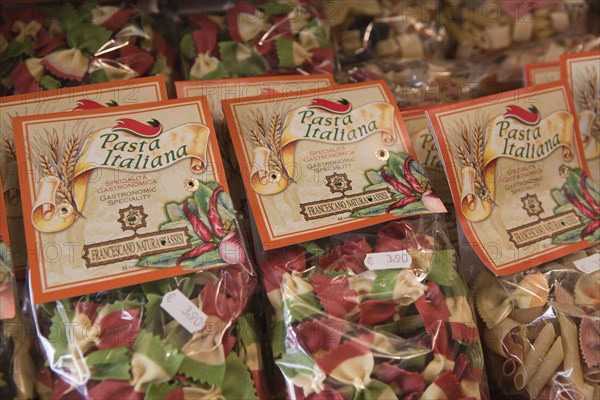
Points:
x=582 y=71
x=538 y=73
x=328 y=161
x=78 y=98
x=116 y=197
x=518 y=176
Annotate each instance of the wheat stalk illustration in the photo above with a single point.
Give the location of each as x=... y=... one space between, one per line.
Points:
x=62 y=165
x=589 y=98
x=9 y=149
x=269 y=137
x=470 y=146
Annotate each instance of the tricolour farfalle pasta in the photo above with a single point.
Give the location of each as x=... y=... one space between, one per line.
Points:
x=347 y=332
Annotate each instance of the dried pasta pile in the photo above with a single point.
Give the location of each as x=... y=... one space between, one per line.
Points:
x=542 y=330
x=346 y=332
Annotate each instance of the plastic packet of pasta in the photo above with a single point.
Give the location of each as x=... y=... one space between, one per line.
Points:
x=428 y=83
x=148 y=297
x=482 y=28
x=542 y=328
x=59 y=45
x=248 y=39
x=400 y=30
x=376 y=313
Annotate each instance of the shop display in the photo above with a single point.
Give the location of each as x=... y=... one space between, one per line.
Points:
x=60 y=100
x=255 y=40
x=59 y=45
x=417 y=182
x=582 y=71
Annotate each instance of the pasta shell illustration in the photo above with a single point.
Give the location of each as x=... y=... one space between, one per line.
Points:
x=531 y=292
x=492 y=301
x=587 y=289
x=589 y=340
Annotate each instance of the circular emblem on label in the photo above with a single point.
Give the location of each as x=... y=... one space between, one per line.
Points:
x=191 y=184
x=382 y=154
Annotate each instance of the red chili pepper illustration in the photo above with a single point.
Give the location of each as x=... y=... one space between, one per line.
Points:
x=213 y=215
x=150 y=129
x=196 y=251
x=85 y=104
x=529 y=117
x=401 y=203
x=583 y=209
x=399 y=186
x=341 y=106
x=198 y=226
x=412 y=181
x=587 y=196
x=230 y=246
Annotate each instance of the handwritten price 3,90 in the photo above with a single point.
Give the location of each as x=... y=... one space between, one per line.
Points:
x=178 y=306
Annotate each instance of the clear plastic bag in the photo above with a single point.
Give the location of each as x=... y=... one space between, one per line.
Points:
x=542 y=328
x=482 y=28
x=345 y=331
x=256 y=40
x=58 y=45
x=422 y=83
x=122 y=344
x=396 y=30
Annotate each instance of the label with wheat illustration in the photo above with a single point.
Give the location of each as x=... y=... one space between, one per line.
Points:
x=326 y=161
x=220 y=89
x=123 y=195
x=77 y=98
x=582 y=71
x=423 y=142
x=517 y=172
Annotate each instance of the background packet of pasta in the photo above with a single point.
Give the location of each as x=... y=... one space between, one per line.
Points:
x=363 y=305
x=136 y=195
x=519 y=179
x=244 y=39
x=49 y=46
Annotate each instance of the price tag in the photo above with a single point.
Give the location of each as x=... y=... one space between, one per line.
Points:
x=183 y=310
x=588 y=265
x=388 y=260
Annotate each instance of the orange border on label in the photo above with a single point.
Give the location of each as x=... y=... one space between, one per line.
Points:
x=262 y=223
x=567 y=60
x=533 y=68
x=3 y=219
x=123 y=278
x=182 y=86
x=74 y=91
x=519 y=264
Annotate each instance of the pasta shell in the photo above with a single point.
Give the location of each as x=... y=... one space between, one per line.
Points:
x=587 y=289
x=531 y=292
x=492 y=301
